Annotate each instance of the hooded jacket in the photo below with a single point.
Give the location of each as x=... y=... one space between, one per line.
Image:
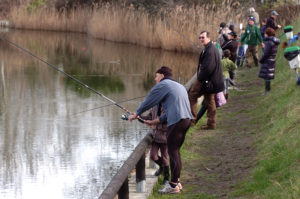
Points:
x=267 y=60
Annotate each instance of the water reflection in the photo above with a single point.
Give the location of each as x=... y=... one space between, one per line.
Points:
x=46 y=152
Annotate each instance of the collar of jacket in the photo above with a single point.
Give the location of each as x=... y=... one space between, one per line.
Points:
x=167 y=77
x=205 y=47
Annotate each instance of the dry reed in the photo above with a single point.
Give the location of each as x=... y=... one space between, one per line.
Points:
x=174 y=28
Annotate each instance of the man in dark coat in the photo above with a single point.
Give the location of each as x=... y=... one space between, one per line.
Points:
x=267 y=70
x=271 y=21
x=209 y=80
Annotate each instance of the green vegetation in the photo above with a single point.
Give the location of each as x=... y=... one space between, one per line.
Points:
x=277 y=173
x=33 y=5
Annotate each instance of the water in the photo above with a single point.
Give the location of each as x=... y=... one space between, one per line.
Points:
x=48 y=148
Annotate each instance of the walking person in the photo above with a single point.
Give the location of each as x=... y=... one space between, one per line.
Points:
x=159 y=133
x=251 y=37
x=174 y=100
x=271 y=21
x=267 y=70
x=209 y=80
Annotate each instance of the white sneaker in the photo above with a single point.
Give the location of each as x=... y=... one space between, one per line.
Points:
x=179 y=186
x=169 y=189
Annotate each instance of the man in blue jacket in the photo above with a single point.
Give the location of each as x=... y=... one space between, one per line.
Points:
x=173 y=98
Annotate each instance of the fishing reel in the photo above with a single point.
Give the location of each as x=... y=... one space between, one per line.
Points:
x=126 y=117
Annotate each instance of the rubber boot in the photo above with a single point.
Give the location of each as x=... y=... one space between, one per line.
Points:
x=267 y=86
x=166 y=174
x=160 y=170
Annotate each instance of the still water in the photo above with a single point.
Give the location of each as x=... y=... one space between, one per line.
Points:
x=50 y=145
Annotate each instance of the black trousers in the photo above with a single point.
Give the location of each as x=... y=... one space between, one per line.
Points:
x=175 y=138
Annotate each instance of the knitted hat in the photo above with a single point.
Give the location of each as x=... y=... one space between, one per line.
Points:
x=251 y=18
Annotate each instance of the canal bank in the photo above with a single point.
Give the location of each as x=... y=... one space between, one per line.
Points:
x=254 y=152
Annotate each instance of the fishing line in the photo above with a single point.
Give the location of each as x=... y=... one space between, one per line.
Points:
x=105 y=106
x=71 y=77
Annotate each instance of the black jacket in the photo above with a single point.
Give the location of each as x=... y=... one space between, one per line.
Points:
x=267 y=69
x=210 y=69
x=271 y=23
x=232 y=46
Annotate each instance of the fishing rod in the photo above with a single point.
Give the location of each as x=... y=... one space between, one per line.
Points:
x=71 y=77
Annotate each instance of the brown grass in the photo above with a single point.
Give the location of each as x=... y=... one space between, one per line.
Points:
x=175 y=28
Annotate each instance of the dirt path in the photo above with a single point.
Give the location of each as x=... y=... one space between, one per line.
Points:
x=224 y=156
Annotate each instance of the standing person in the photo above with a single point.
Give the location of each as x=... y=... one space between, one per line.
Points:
x=222 y=30
x=267 y=70
x=242 y=49
x=227 y=66
x=255 y=15
x=251 y=37
x=231 y=44
x=159 y=133
x=263 y=28
x=271 y=21
x=175 y=102
x=209 y=80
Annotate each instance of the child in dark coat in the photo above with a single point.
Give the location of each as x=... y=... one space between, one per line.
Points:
x=267 y=69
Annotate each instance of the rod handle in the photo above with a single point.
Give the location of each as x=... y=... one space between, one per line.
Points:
x=125 y=117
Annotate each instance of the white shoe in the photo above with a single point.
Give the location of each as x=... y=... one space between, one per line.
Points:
x=180 y=186
x=169 y=189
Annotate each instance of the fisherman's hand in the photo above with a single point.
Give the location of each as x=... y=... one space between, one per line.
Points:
x=279 y=26
x=263 y=45
x=152 y=122
x=133 y=116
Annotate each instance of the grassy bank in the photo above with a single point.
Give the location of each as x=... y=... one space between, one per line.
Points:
x=255 y=151
x=277 y=173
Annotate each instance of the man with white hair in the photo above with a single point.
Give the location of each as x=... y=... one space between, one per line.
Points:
x=255 y=15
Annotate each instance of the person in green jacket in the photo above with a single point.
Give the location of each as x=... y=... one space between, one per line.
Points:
x=252 y=37
x=227 y=65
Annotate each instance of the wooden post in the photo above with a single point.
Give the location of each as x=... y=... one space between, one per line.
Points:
x=123 y=192
x=141 y=175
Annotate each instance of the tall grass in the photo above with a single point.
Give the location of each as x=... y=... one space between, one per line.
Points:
x=174 y=28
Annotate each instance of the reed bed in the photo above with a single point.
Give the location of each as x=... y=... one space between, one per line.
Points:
x=173 y=28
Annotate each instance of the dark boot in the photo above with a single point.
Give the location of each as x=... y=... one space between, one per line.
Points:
x=166 y=174
x=160 y=170
x=226 y=96
x=268 y=86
